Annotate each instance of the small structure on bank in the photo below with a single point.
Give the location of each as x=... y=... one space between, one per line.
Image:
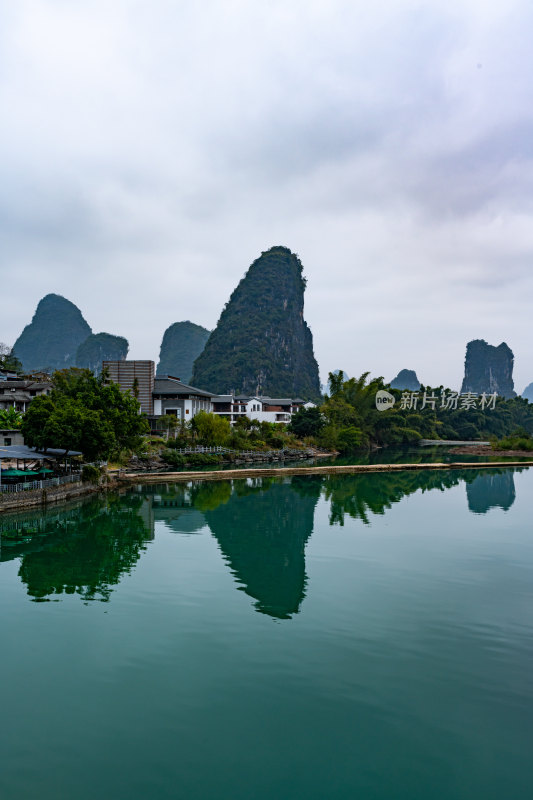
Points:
x=36 y=465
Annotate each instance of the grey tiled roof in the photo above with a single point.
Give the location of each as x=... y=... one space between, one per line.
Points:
x=171 y=386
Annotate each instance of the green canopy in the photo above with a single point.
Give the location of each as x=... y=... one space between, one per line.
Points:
x=13 y=473
x=29 y=472
x=45 y=469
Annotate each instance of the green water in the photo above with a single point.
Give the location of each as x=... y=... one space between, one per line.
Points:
x=363 y=636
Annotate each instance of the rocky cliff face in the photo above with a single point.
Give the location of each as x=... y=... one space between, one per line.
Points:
x=100 y=347
x=52 y=338
x=406 y=379
x=489 y=369
x=182 y=344
x=262 y=344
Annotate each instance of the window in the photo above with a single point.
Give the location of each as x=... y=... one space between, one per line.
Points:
x=7 y=441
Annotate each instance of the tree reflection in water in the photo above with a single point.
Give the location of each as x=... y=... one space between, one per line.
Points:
x=261 y=525
x=87 y=555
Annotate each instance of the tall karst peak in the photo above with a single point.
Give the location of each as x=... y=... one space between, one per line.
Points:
x=262 y=344
x=52 y=338
x=488 y=368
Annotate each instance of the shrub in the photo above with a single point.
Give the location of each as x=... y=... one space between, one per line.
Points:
x=91 y=474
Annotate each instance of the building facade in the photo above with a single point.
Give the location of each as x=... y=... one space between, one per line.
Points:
x=18 y=393
x=172 y=396
x=10 y=437
x=260 y=408
x=134 y=376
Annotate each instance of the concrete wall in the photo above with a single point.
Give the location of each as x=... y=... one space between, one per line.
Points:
x=15 y=435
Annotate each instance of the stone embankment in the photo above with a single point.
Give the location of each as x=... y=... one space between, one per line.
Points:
x=44 y=497
x=156 y=464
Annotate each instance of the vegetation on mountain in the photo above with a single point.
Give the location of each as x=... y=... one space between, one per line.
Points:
x=100 y=347
x=84 y=413
x=261 y=344
x=182 y=344
x=488 y=368
x=53 y=336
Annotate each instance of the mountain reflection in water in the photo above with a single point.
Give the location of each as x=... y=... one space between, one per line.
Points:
x=261 y=525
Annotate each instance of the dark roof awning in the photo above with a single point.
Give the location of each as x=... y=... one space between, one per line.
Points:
x=29 y=453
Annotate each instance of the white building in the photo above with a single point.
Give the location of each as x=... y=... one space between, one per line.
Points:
x=261 y=408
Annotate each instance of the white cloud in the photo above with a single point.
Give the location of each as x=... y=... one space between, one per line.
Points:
x=151 y=151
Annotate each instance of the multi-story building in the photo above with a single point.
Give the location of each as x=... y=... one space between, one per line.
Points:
x=261 y=408
x=137 y=377
x=19 y=392
x=172 y=396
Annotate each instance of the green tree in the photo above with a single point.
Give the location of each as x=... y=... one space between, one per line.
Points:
x=84 y=413
x=211 y=429
x=307 y=422
x=10 y=418
x=167 y=423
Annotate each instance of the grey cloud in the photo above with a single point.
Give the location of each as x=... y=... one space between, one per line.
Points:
x=156 y=151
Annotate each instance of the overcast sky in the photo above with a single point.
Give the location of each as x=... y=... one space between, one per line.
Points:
x=151 y=150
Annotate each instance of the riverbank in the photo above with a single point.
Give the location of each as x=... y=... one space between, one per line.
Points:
x=33 y=498
x=484 y=450
x=69 y=492
x=184 y=457
x=345 y=469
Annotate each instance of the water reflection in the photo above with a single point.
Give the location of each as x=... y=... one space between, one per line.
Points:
x=262 y=530
x=261 y=526
x=83 y=551
x=360 y=496
x=491 y=490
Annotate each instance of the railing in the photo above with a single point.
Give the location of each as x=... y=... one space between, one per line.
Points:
x=12 y=488
x=266 y=453
x=202 y=450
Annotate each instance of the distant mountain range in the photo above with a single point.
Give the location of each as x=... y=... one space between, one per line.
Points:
x=261 y=344
x=59 y=337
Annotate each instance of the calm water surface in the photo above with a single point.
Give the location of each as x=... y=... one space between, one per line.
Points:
x=362 y=636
